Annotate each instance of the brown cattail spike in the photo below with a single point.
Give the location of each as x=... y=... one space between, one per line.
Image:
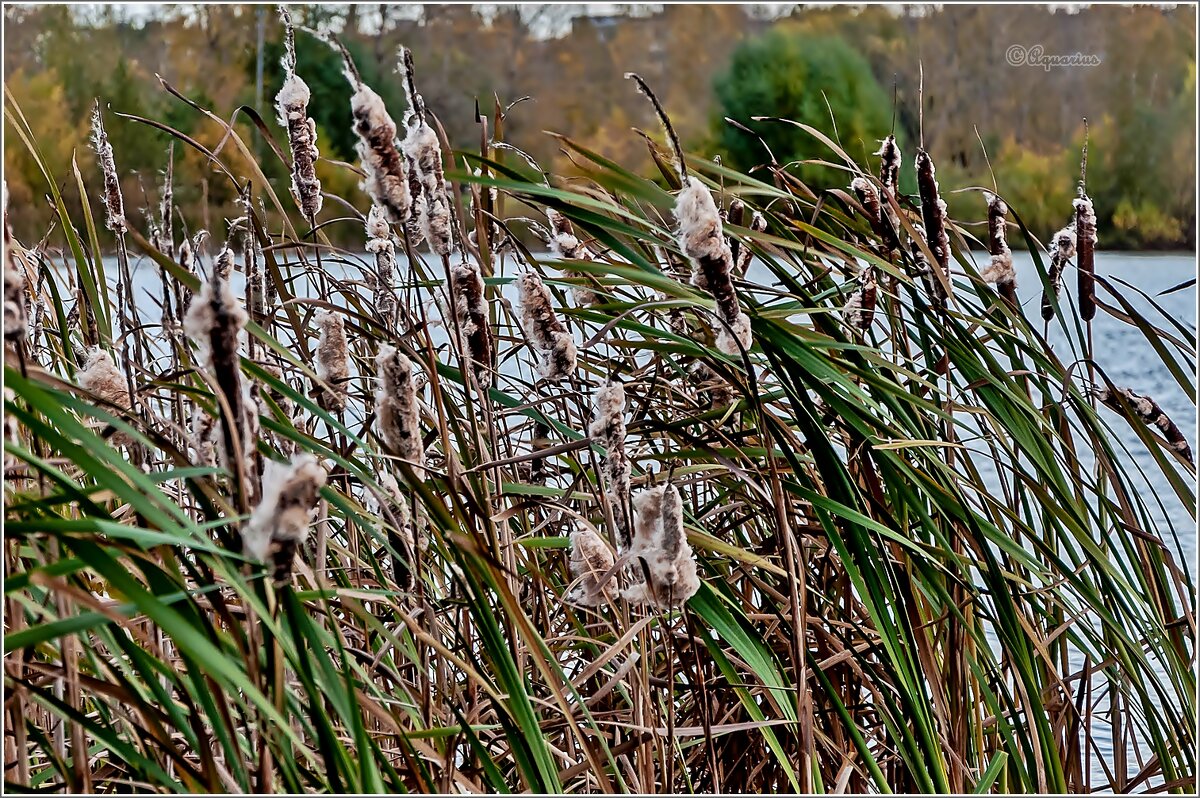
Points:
x=548 y=336
x=1000 y=269
x=279 y=524
x=379 y=244
x=292 y=106
x=1121 y=400
x=1085 y=265
x=933 y=215
x=859 y=310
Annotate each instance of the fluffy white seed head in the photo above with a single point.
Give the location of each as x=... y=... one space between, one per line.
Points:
x=279 y=524
x=591 y=560
x=547 y=334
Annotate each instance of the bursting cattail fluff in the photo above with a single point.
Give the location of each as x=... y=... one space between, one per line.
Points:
x=565 y=245
x=1062 y=250
x=1150 y=413
x=16 y=322
x=333 y=362
x=470 y=312
x=397 y=409
x=859 y=310
x=279 y=524
x=933 y=216
x=608 y=428
x=701 y=239
x=379 y=244
x=292 y=105
x=1000 y=269
x=383 y=164
x=1085 y=265
x=591 y=561
x=101 y=377
x=869 y=198
x=547 y=335
x=224 y=264
x=660 y=543
x=214 y=321
x=422 y=147
x=889 y=177
x=114 y=204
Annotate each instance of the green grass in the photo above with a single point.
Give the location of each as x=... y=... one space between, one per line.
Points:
x=874 y=616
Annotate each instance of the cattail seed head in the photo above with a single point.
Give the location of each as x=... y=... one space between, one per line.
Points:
x=1085 y=265
x=279 y=524
x=1062 y=249
x=702 y=242
x=16 y=319
x=114 y=203
x=859 y=310
x=291 y=104
x=933 y=215
x=470 y=310
x=421 y=146
x=565 y=245
x=214 y=320
x=591 y=560
x=758 y=223
x=101 y=377
x=333 y=362
x=1150 y=413
x=608 y=427
x=379 y=243
x=870 y=200
x=889 y=165
x=386 y=182
x=547 y=334
x=397 y=409
x=659 y=541
x=1000 y=269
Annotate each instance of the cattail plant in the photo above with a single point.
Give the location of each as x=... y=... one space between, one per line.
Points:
x=379 y=244
x=548 y=336
x=101 y=377
x=1085 y=265
x=923 y=269
x=397 y=408
x=422 y=147
x=702 y=241
x=291 y=104
x=660 y=544
x=1000 y=269
x=333 y=362
x=591 y=565
x=859 y=310
x=565 y=245
x=383 y=164
x=1062 y=249
x=214 y=321
x=280 y=522
x=608 y=427
x=224 y=265
x=933 y=216
x=890 y=160
x=1148 y=411
x=16 y=322
x=114 y=203
x=871 y=203
x=471 y=317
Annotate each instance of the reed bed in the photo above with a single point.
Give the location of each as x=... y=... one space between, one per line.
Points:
x=837 y=520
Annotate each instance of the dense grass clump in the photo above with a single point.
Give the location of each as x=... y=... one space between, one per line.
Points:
x=663 y=519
